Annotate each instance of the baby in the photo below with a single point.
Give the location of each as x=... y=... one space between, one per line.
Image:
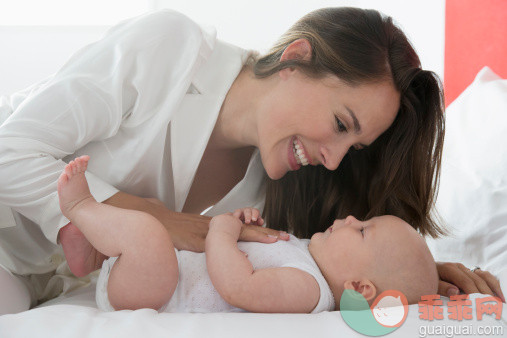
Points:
x=145 y=271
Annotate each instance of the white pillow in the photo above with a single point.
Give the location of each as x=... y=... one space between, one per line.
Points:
x=472 y=199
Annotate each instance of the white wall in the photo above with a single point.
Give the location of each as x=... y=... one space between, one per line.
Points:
x=37 y=37
x=257 y=24
x=31 y=53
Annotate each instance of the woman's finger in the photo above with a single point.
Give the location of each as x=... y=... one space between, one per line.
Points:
x=447 y=289
x=480 y=283
x=492 y=282
x=454 y=273
x=280 y=234
x=252 y=233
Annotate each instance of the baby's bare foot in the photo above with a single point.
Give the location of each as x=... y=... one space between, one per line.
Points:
x=81 y=256
x=73 y=189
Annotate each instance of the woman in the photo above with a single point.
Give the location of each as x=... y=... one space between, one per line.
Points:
x=169 y=112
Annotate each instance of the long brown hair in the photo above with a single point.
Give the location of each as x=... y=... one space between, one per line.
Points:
x=397 y=174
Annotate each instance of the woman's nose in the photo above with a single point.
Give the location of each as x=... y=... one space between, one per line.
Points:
x=332 y=158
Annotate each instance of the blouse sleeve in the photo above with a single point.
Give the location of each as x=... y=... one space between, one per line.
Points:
x=120 y=81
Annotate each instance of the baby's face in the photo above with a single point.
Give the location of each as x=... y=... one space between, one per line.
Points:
x=350 y=248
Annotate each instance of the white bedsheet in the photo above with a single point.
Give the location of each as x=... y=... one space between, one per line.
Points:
x=76 y=315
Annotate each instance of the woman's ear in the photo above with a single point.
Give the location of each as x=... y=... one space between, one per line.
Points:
x=365 y=287
x=299 y=49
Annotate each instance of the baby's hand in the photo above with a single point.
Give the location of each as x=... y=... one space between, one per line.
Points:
x=249 y=216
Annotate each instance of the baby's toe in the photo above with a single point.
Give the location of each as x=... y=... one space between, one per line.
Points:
x=79 y=165
x=68 y=171
x=63 y=178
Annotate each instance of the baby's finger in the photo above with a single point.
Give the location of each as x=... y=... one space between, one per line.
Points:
x=238 y=213
x=258 y=222
x=247 y=213
x=492 y=282
x=255 y=214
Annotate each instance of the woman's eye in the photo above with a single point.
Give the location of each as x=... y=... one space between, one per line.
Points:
x=362 y=231
x=356 y=148
x=339 y=125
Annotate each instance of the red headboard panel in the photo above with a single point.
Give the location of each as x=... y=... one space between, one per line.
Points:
x=475 y=36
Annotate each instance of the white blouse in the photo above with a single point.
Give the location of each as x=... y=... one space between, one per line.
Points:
x=142 y=102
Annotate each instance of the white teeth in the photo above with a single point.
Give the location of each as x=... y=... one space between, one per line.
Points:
x=299 y=154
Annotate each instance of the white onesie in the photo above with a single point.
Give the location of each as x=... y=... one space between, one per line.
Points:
x=195 y=292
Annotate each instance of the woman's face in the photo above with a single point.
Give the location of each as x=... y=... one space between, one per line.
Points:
x=321 y=119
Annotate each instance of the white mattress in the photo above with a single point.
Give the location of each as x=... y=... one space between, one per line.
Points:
x=75 y=315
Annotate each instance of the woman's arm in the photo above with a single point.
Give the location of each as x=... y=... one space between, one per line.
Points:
x=188 y=232
x=281 y=290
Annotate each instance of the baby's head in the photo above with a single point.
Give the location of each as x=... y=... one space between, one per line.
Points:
x=383 y=253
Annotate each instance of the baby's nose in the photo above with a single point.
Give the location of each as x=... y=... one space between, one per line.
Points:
x=350 y=220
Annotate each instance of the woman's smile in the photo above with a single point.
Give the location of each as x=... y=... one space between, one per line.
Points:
x=300 y=152
x=297 y=154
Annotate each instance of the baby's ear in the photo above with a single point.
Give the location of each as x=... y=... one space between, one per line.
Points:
x=365 y=287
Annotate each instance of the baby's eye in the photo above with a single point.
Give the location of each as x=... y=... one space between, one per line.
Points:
x=340 y=127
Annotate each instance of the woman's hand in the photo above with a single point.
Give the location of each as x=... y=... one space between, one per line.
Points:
x=187 y=231
x=455 y=277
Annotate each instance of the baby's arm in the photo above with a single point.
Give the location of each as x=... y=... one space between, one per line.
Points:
x=281 y=290
x=146 y=272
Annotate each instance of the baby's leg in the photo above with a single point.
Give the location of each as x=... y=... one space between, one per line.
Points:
x=146 y=272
